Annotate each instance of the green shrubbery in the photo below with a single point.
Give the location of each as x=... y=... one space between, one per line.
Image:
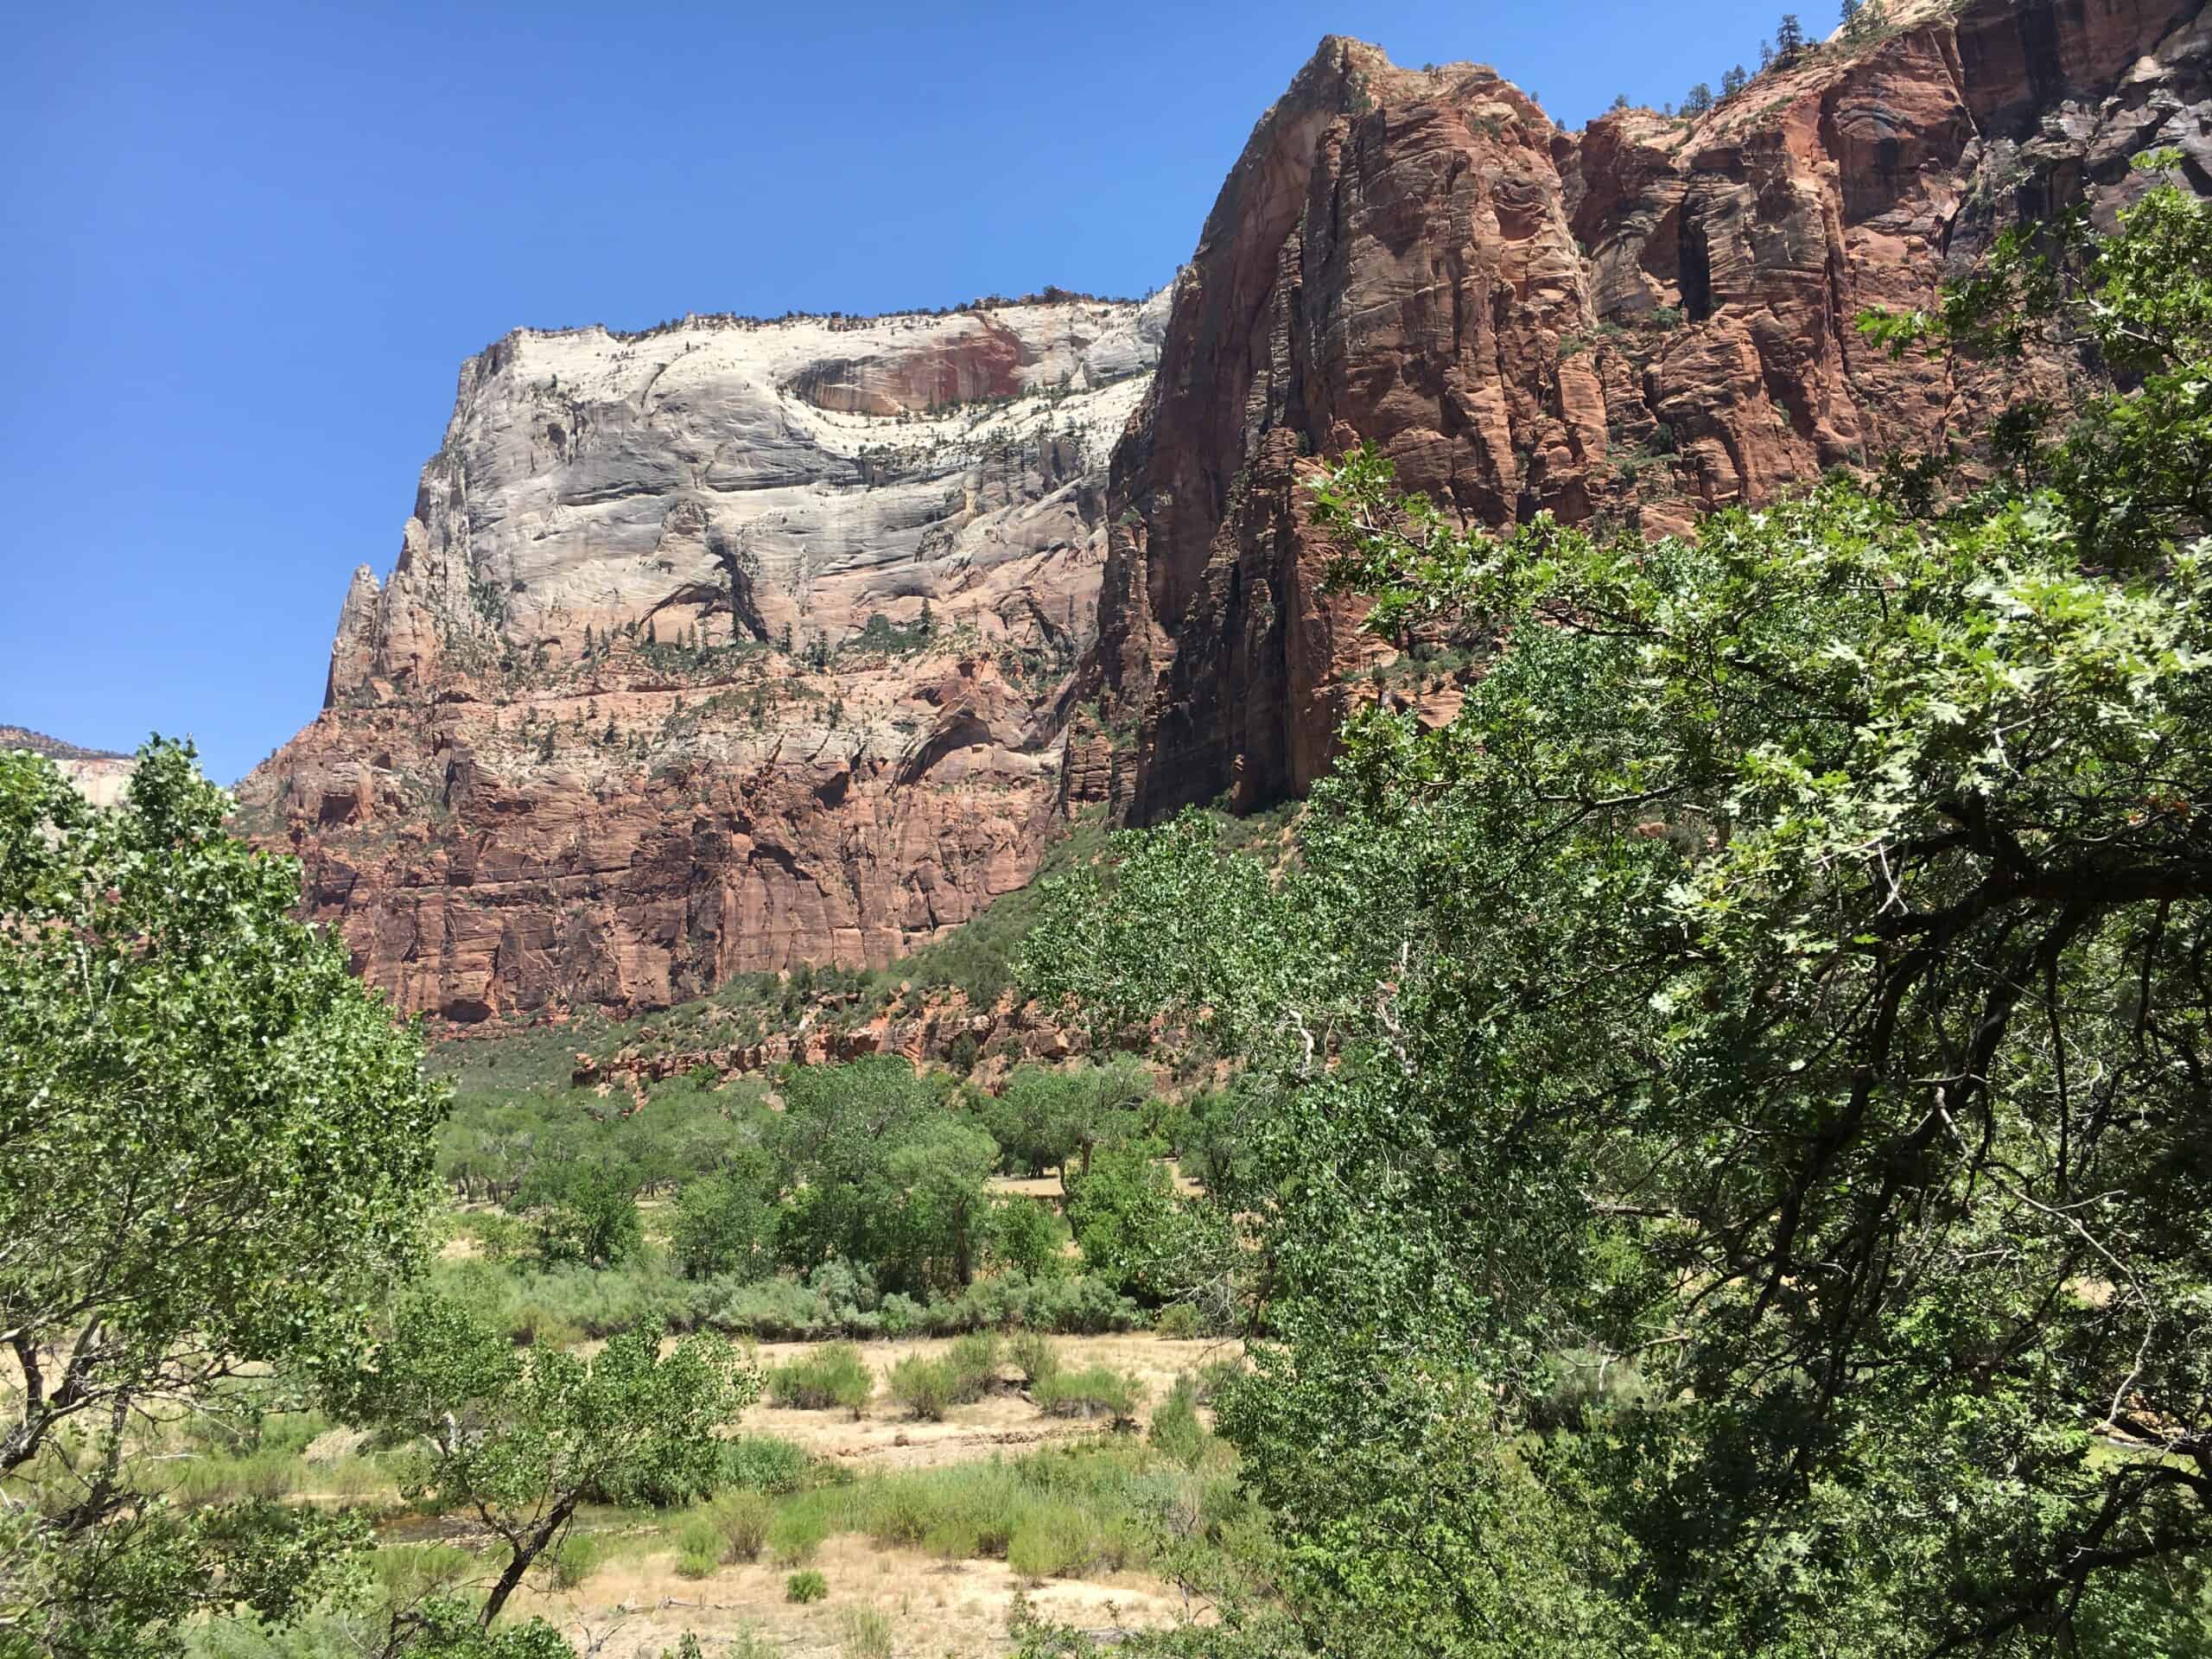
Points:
x=1098 y=1391
x=924 y=1387
x=834 y=1377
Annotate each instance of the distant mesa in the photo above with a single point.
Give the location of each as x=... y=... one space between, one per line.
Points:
x=100 y=775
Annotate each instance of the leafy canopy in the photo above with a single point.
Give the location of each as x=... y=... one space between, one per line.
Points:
x=215 y=1146
x=1738 y=1178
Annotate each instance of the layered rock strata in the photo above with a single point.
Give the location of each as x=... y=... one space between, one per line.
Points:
x=714 y=650
x=1625 y=327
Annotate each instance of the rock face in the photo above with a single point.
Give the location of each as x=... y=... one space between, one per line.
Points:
x=1628 y=326
x=717 y=649
x=101 y=776
x=734 y=646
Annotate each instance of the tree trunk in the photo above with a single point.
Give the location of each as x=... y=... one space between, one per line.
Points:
x=525 y=1554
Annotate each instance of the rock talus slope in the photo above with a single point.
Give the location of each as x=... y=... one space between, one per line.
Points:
x=1628 y=326
x=712 y=650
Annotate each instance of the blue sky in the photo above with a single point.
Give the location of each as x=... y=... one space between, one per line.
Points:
x=248 y=247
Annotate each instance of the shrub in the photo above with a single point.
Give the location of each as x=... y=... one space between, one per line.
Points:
x=831 y=1376
x=1050 y=1540
x=1177 y=1320
x=1176 y=1430
x=1033 y=1356
x=762 y=1463
x=805 y=1586
x=973 y=1363
x=1097 y=1392
x=795 y=1534
x=693 y=1565
x=866 y=1633
x=740 y=1522
x=924 y=1387
x=574 y=1560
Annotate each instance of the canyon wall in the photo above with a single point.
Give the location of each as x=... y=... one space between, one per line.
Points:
x=1624 y=327
x=101 y=776
x=713 y=650
x=733 y=646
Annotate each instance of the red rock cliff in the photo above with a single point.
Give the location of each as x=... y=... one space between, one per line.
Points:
x=1629 y=325
x=717 y=649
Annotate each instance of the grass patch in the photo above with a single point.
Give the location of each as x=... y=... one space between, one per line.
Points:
x=827 y=1379
x=1096 y=1392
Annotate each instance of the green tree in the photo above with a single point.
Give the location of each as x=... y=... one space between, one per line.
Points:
x=1737 y=1181
x=521 y=1438
x=722 y=1225
x=215 y=1146
x=584 y=1210
x=889 y=1176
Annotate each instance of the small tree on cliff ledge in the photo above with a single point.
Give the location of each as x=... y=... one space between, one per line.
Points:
x=215 y=1145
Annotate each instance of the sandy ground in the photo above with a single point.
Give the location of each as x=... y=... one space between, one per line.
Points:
x=633 y=1608
x=1003 y=1421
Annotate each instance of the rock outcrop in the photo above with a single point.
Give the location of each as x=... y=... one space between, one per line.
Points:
x=1627 y=326
x=101 y=776
x=734 y=645
x=713 y=650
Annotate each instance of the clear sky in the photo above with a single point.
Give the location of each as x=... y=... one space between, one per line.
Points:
x=243 y=249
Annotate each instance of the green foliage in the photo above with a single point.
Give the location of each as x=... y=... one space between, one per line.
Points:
x=584 y=1213
x=763 y=1463
x=1136 y=1234
x=521 y=1440
x=833 y=1377
x=739 y=1521
x=1033 y=1356
x=1175 y=1428
x=924 y=1387
x=217 y=1147
x=2133 y=472
x=1734 y=1177
x=1098 y=1391
x=892 y=1176
x=805 y=1586
x=723 y=1227
x=930 y=1388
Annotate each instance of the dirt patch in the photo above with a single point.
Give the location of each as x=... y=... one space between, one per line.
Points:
x=1005 y=1420
x=633 y=1608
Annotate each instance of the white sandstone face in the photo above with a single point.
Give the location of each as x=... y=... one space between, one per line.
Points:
x=717 y=475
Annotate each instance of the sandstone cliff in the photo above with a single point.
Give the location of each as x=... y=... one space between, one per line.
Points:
x=1629 y=325
x=101 y=776
x=713 y=650
x=734 y=645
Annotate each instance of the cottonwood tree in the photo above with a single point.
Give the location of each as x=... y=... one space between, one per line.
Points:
x=520 y=1438
x=215 y=1147
x=1738 y=1176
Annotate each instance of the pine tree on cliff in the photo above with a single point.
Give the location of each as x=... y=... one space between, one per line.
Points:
x=1789 y=37
x=1732 y=81
x=1766 y=56
x=1850 y=9
x=1699 y=101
